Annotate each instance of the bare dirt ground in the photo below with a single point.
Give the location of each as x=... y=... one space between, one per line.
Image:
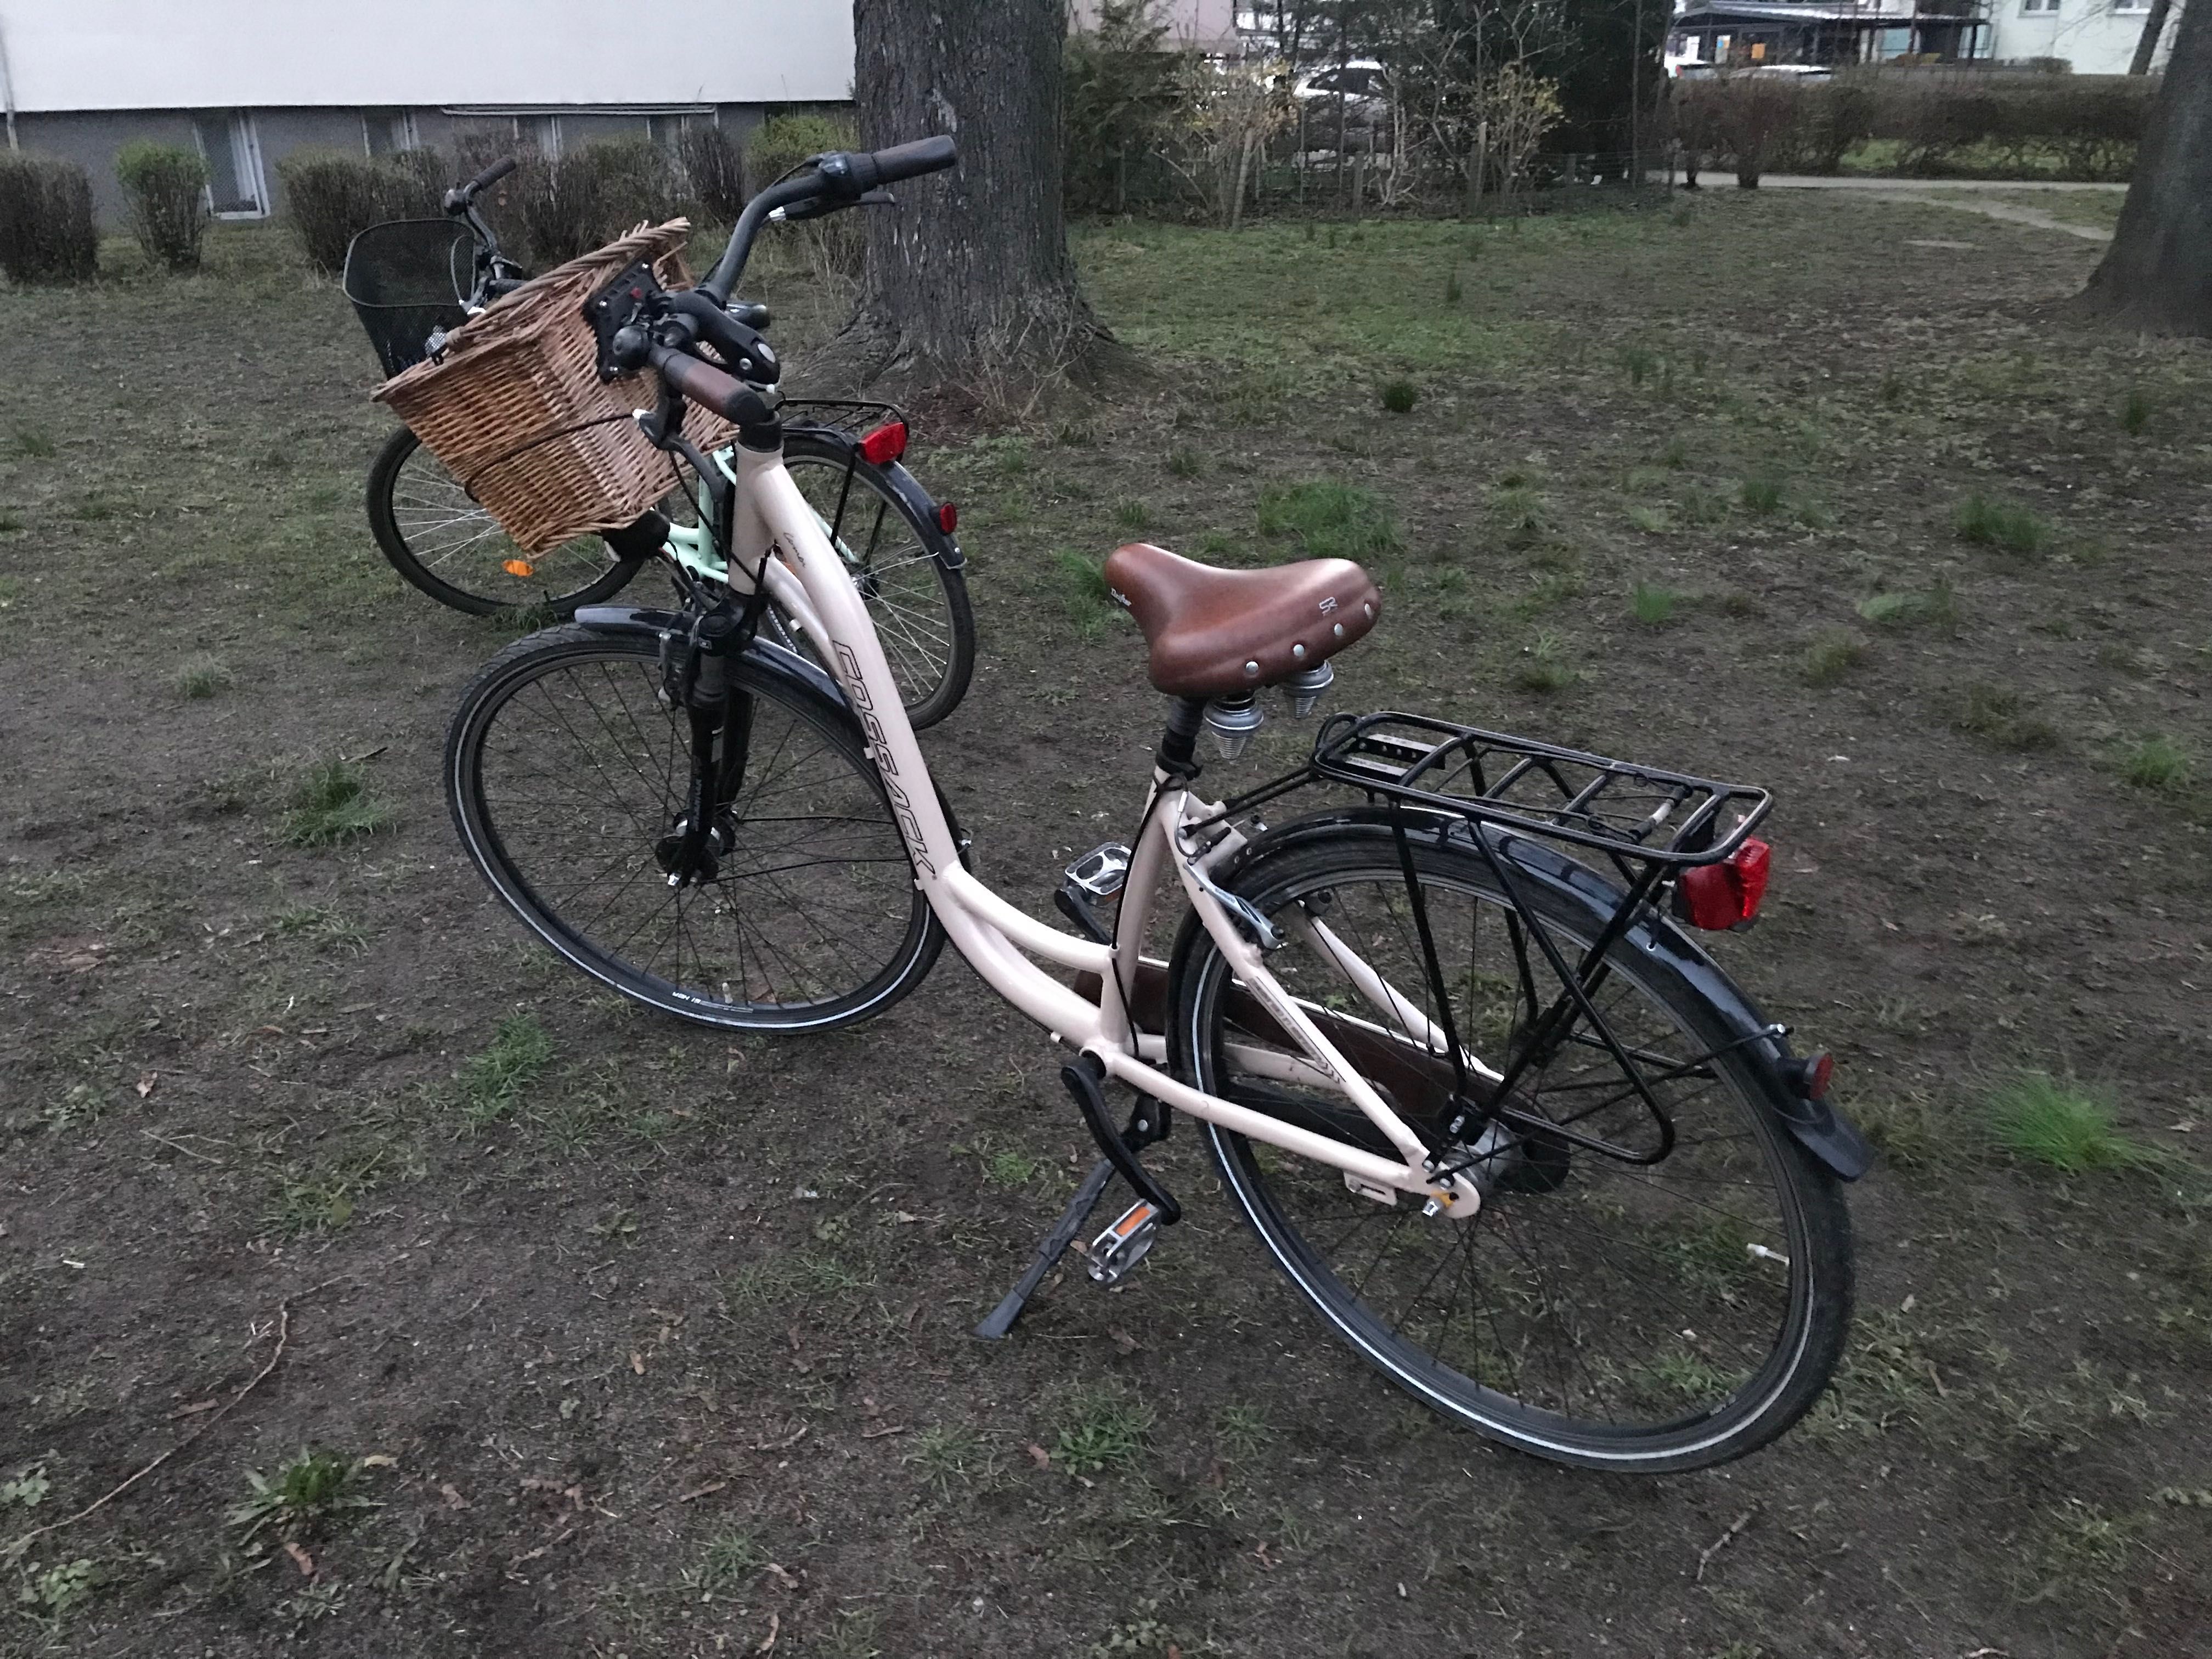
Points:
x=626 y=1339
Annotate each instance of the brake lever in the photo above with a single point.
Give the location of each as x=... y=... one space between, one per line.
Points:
x=815 y=207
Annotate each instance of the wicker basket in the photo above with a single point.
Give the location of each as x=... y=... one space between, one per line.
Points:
x=516 y=410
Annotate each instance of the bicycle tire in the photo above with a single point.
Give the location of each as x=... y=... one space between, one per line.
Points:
x=446 y=545
x=534 y=812
x=1760 y=1348
x=926 y=622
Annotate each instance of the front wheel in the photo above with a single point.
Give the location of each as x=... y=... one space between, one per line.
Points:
x=569 y=780
x=439 y=538
x=1648 y=1315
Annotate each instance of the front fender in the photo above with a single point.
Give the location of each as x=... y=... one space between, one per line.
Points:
x=806 y=676
x=1817 y=1125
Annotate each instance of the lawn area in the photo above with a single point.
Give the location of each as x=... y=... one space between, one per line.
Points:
x=588 y=1332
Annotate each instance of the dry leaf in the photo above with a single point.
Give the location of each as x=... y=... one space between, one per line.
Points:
x=782 y=1577
x=775 y=1624
x=637 y=1362
x=145 y=1085
x=1039 y=1455
x=453 y=1499
x=300 y=1559
x=380 y=1460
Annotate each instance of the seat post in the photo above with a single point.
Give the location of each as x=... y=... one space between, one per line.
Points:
x=1178 y=749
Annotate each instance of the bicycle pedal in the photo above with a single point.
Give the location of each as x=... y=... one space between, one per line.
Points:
x=1093 y=880
x=1122 y=1245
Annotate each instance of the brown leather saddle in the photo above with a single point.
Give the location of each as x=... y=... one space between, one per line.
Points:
x=1214 y=632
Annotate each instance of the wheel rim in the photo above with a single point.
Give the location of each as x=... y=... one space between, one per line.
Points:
x=896 y=569
x=1593 y=1306
x=812 y=907
x=458 y=542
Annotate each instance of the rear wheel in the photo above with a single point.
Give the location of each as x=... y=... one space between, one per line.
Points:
x=903 y=564
x=444 y=543
x=1645 y=1315
x=568 y=780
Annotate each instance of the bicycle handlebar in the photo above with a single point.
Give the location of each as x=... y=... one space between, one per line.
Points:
x=708 y=387
x=840 y=179
x=490 y=176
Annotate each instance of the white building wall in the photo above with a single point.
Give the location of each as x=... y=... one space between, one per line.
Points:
x=221 y=54
x=2097 y=37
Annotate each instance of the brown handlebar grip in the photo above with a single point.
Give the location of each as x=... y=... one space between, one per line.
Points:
x=709 y=386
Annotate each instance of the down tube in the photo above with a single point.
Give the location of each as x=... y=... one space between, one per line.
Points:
x=772 y=513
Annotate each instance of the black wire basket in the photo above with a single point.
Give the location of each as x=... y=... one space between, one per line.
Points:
x=406 y=279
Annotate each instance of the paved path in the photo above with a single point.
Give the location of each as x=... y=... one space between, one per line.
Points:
x=1943 y=192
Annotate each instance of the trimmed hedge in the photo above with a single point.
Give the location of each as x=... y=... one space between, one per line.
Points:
x=46 y=229
x=166 y=188
x=1985 y=123
x=331 y=196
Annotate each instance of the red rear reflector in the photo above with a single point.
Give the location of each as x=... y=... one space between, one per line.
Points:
x=885 y=444
x=948 y=518
x=1727 y=894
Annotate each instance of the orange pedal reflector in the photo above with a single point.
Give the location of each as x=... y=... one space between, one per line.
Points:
x=520 y=567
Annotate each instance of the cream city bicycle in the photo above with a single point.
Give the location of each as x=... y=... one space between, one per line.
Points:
x=1448 y=1037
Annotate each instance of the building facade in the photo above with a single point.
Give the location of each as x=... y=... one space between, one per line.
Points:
x=2095 y=37
x=246 y=82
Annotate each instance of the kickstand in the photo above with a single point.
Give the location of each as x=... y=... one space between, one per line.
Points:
x=1002 y=1317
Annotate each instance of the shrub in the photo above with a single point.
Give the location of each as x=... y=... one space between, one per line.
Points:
x=589 y=196
x=46 y=229
x=782 y=141
x=330 y=196
x=713 y=172
x=166 y=188
x=833 y=245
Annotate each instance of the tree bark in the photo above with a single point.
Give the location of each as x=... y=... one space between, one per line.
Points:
x=968 y=280
x=2147 y=47
x=2157 y=274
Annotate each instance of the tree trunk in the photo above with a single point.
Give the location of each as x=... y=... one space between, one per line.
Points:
x=2158 y=273
x=2147 y=47
x=969 y=279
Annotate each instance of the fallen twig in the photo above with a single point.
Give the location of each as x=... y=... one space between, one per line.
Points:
x=1706 y=1554
x=15 y=1547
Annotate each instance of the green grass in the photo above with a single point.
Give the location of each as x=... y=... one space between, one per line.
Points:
x=1653 y=605
x=1524 y=517
x=1452 y=290
x=1132 y=514
x=493 y=1081
x=2062 y=1125
x=2157 y=763
x=332 y=804
x=1938 y=607
x=202 y=676
x=731 y=1557
x=33 y=444
x=1640 y=363
x=9 y=524
x=1760 y=493
x=1996 y=715
x=1543 y=668
x=1086 y=595
x=1243 y=1429
x=323 y=926
x=2006 y=525
x=1329 y=519
x=2135 y=412
x=1398 y=396
x=1102 y=1428
x=322 y=1198
x=947 y=1457
x=1830 y=658
x=1651 y=521
x=1185 y=463
x=306 y=1494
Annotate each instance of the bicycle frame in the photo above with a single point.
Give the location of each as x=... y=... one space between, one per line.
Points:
x=776 y=533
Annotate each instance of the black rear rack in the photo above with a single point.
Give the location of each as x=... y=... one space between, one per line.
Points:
x=856 y=418
x=1666 y=820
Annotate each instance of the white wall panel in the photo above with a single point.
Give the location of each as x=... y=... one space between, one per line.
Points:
x=223 y=54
